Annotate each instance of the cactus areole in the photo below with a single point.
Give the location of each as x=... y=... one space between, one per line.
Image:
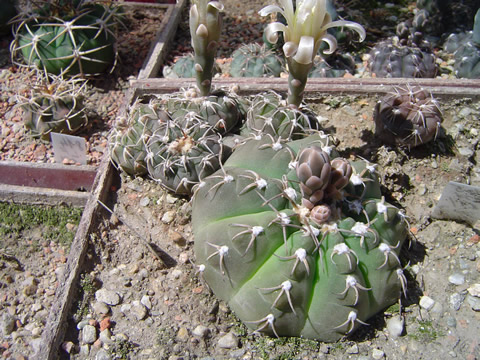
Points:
x=298 y=241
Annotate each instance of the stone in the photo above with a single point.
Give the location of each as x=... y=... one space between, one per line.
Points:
x=457 y=279
x=395 y=326
x=182 y=334
x=105 y=324
x=168 y=217
x=145 y=301
x=138 y=310
x=145 y=201
x=7 y=324
x=89 y=334
x=201 y=331
x=352 y=349
x=426 y=302
x=228 y=341
x=378 y=354
x=456 y=301
x=100 y=308
x=474 y=302
x=458 y=202
x=108 y=297
x=177 y=238
x=106 y=337
x=102 y=354
x=474 y=290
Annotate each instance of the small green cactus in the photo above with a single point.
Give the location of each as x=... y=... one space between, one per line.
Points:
x=298 y=242
x=184 y=67
x=410 y=116
x=467 y=56
x=67 y=37
x=269 y=114
x=255 y=60
x=55 y=104
x=390 y=60
x=128 y=139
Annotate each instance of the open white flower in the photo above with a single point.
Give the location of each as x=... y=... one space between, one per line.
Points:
x=306 y=28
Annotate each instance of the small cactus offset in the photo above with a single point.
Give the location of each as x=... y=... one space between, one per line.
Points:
x=410 y=117
x=310 y=248
x=269 y=114
x=54 y=104
x=254 y=60
x=332 y=66
x=67 y=37
x=467 y=56
x=129 y=138
x=389 y=60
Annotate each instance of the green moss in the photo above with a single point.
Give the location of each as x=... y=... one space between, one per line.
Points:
x=426 y=332
x=16 y=219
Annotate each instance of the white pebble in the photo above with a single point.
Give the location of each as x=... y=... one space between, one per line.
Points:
x=457 y=279
x=426 y=302
x=395 y=326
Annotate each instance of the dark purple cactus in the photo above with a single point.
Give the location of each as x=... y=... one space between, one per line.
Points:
x=410 y=116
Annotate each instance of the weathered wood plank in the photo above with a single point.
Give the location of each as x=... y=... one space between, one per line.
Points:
x=316 y=86
x=42 y=196
x=53 y=176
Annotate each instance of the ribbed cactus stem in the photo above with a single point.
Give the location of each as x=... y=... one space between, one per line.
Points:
x=297 y=79
x=205 y=27
x=476 y=28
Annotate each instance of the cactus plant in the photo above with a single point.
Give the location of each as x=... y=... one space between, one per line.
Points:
x=391 y=60
x=269 y=114
x=129 y=137
x=254 y=60
x=309 y=248
x=67 y=37
x=184 y=67
x=467 y=56
x=410 y=116
x=205 y=25
x=182 y=151
x=54 y=104
x=335 y=65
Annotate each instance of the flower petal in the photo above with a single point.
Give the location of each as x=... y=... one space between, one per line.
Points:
x=350 y=24
x=271 y=31
x=270 y=9
x=217 y=5
x=289 y=48
x=305 y=50
x=332 y=43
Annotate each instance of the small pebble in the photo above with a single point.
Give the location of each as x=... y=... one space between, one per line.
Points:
x=395 y=326
x=107 y=296
x=474 y=290
x=426 y=302
x=201 y=331
x=352 y=349
x=102 y=354
x=457 y=279
x=474 y=302
x=168 y=217
x=228 y=341
x=89 y=334
x=456 y=301
x=145 y=300
x=144 y=201
x=138 y=310
x=378 y=354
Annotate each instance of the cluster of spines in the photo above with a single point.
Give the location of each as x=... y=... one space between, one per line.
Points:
x=304 y=241
x=409 y=116
x=75 y=37
x=55 y=104
x=255 y=60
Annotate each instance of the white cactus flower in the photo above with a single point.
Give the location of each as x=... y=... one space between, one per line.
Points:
x=306 y=28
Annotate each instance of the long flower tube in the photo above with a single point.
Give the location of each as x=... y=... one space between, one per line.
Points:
x=304 y=32
x=205 y=28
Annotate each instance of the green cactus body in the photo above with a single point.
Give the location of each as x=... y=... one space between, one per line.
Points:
x=392 y=61
x=254 y=60
x=219 y=110
x=467 y=56
x=269 y=114
x=128 y=143
x=283 y=267
x=54 y=105
x=67 y=38
x=184 y=67
x=409 y=116
x=182 y=152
